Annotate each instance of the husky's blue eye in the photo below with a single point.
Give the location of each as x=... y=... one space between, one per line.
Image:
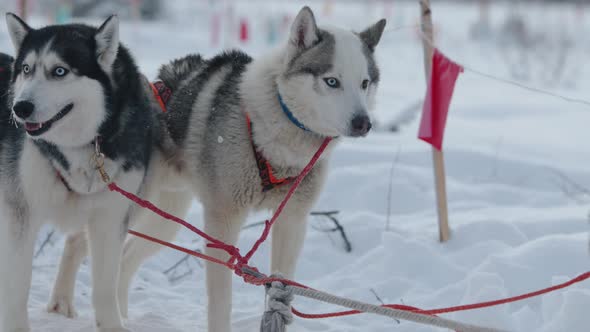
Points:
x=365 y=84
x=26 y=69
x=60 y=72
x=332 y=82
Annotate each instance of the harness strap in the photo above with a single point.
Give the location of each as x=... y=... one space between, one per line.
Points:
x=267 y=177
x=162 y=94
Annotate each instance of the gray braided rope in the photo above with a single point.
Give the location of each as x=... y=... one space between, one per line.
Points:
x=389 y=312
x=278 y=313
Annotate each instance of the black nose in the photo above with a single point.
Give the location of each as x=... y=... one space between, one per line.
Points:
x=23 y=109
x=360 y=125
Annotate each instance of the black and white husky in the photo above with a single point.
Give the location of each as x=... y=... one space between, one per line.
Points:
x=73 y=89
x=239 y=130
x=243 y=128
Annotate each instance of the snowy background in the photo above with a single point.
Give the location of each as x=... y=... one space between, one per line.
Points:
x=517 y=165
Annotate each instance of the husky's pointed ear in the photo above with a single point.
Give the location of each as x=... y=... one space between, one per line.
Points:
x=17 y=29
x=107 y=42
x=372 y=34
x=304 y=31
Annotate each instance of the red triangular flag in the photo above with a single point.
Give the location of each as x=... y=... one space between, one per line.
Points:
x=438 y=98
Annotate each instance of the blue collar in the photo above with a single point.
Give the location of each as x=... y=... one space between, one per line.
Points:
x=290 y=115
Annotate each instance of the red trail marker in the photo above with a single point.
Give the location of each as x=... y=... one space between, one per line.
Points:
x=438 y=99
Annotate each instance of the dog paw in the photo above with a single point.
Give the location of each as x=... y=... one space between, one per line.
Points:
x=62 y=306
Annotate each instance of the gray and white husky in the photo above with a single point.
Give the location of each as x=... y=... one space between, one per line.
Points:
x=73 y=89
x=239 y=130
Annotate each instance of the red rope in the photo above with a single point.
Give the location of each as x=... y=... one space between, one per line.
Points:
x=268 y=224
x=234 y=252
x=578 y=279
x=242 y=261
x=264 y=281
x=352 y=312
x=150 y=206
x=179 y=248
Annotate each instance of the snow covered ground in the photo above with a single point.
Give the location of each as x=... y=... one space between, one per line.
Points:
x=517 y=172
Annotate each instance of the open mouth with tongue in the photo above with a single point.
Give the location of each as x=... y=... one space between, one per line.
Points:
x=38 y=128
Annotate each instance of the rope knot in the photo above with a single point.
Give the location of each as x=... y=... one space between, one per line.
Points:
x=278 y=309
x=239 y=263
x=233 y=252
x=249 y=274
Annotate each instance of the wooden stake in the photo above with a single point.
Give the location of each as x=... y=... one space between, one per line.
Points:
x=437 y=155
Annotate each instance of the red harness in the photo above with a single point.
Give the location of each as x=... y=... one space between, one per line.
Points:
x=267 y=177
x=269 y=181
x=162 y=94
